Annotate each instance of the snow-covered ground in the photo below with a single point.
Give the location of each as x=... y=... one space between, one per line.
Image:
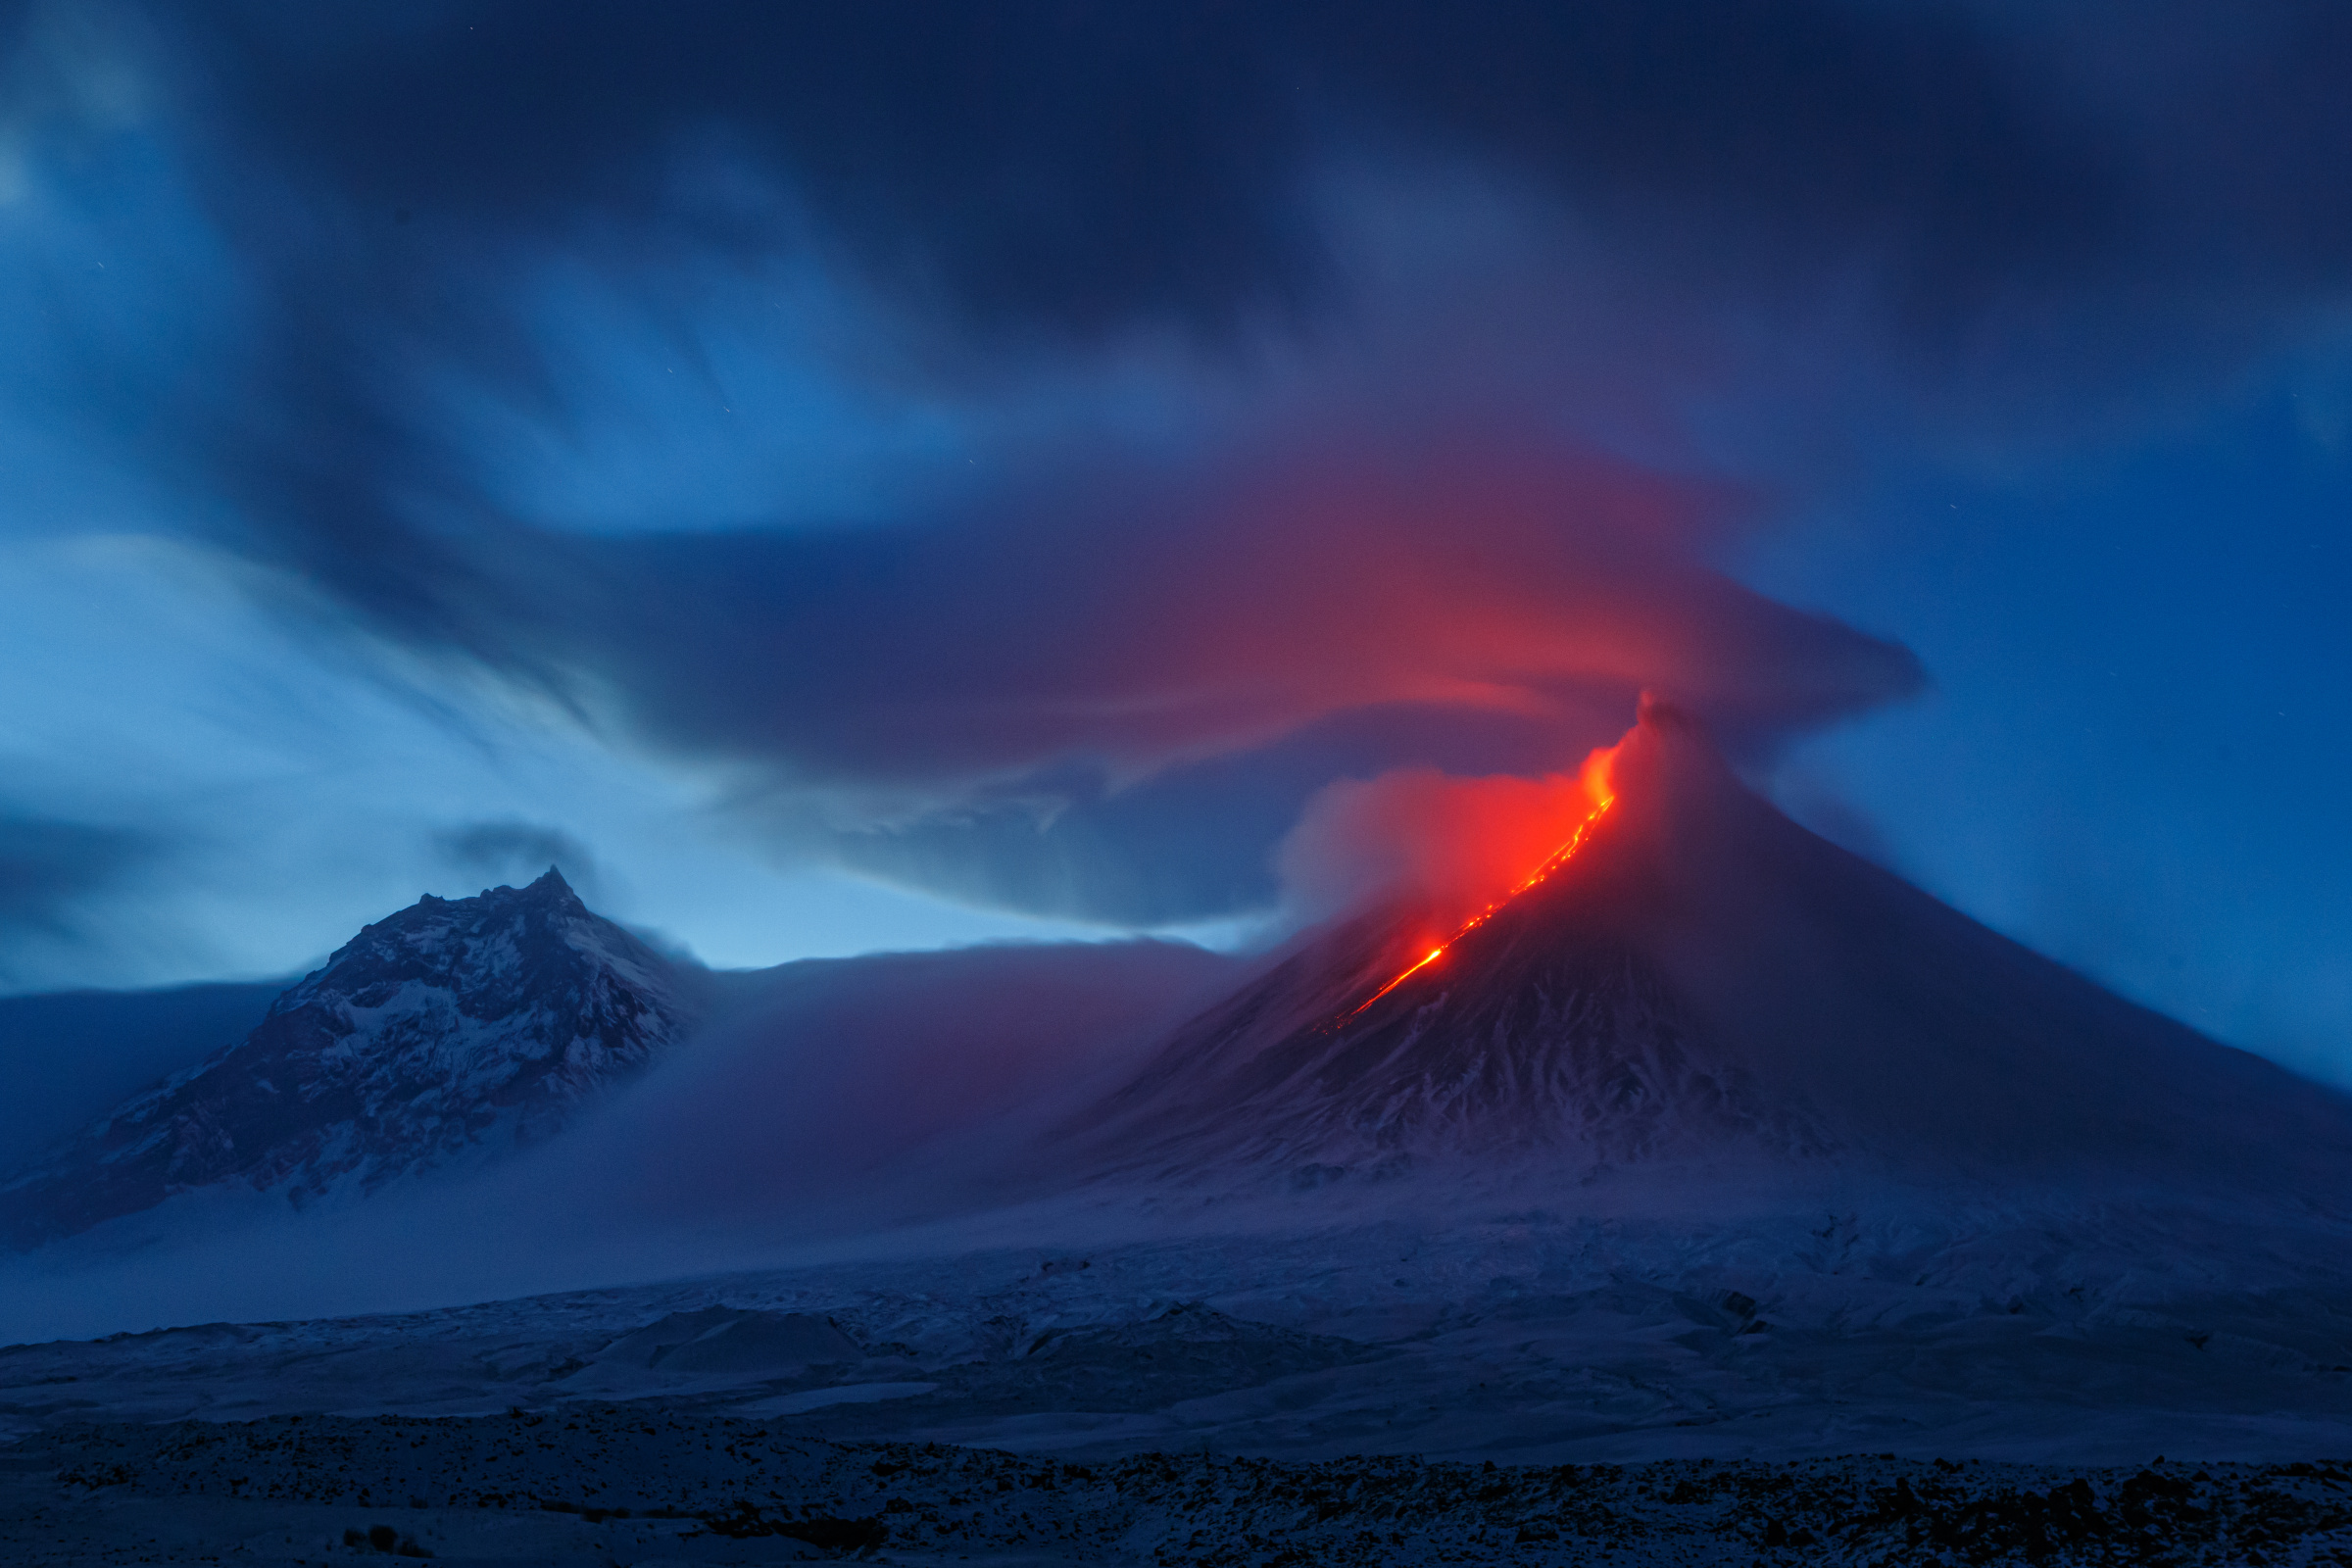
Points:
x=1523 y=1338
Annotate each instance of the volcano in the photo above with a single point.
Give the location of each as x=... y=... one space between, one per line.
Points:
x=1700 y=982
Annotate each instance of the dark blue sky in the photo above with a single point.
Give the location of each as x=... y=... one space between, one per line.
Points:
x=893 y=475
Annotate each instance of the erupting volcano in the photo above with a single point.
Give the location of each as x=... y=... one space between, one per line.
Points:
x=1693 y=980
x=1597 y=789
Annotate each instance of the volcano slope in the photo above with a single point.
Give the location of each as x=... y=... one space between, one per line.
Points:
x=1705 y=987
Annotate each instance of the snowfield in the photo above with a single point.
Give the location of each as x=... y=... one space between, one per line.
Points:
x=1523 y=1339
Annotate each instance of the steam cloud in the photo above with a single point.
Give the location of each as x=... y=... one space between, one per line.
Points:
x=1453 y=845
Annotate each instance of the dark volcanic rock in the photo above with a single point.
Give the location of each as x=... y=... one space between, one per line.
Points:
x=597 y=1482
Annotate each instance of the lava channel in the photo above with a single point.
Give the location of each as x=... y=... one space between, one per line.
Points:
x=1541 y=873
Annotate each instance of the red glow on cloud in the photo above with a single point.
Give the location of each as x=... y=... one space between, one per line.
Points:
x=1509 y=819
x=1455 y=845
x=1498 y=583
x=1484 y=578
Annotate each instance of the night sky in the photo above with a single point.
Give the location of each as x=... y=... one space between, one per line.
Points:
x=888 y=475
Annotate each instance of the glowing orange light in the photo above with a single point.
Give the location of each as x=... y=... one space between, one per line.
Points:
x=1427 y=958
x=1597 y=788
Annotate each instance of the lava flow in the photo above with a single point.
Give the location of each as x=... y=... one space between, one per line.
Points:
x=1597 y=787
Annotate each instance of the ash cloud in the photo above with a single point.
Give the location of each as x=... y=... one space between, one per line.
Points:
x=1450 y=845
x=1123 y=726
x=1105 y=682
x=1039 y=168
x=1078 y=168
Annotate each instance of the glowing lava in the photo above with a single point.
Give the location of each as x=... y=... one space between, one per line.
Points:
x=1597 y=789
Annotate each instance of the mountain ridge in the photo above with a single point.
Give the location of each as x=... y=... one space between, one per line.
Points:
x=446 y=1034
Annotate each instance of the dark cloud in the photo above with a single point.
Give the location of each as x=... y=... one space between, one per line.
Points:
x=515 y=851
x=49 y=867
x=1120 y=722
x=1105 y=686
x=1142 y=620
x=1086 y=165
x=1196 y=841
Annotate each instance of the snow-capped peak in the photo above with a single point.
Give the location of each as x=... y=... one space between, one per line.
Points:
x=444 y=1035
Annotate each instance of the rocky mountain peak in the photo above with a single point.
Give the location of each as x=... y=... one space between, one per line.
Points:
x=549 y=887
x=442 y=1036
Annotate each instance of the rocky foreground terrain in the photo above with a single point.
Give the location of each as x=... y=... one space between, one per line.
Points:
x=616 y=1484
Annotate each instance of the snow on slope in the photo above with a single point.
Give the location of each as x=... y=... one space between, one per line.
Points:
x=445 y=1035
x=1527 y=1339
